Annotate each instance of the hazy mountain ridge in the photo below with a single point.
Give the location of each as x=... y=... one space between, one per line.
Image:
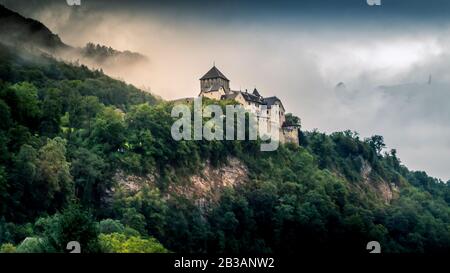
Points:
x=16 y=30
x=103 y=54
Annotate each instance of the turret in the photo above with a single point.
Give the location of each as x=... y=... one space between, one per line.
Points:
x=213 y=80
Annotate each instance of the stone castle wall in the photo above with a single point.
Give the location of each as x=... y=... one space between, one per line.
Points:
x=289 y=135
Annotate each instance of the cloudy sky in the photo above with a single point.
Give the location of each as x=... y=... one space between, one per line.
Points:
x=296 y=50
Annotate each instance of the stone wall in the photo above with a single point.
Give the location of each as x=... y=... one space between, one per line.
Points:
x=215 y=95
x=289 y=134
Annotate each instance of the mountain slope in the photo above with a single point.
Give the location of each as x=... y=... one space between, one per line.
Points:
x=67 y=133
x=17 y=30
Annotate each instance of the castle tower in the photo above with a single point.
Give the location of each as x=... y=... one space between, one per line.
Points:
x=214 y=80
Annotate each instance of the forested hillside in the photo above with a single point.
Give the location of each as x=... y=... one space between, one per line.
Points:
x=67 y=132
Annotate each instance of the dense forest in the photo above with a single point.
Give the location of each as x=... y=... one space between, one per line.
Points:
x=66 y=131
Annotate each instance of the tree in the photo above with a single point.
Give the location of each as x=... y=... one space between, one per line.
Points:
x=26 y=106
x=82 y=111
x=109 y=226
x=120 y=243
x=377 y=143
x=73 y=224
x=89 y=172
x=54 y=184
x=135 y=220
x=90 y=106
x=5 y=116
x=109 y=129
x=52 y=107
x=7 y=248
x=4 y=196
x=33 y=245
x=4 y=151
x=23 y=177
x=291 y=120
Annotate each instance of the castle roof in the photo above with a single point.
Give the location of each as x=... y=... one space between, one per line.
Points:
x=271 y=101
x=214 y=73
x=256 y=93
x=251 y=97
x=232 y=95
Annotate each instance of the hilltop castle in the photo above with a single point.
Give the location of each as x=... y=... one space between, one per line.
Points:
x=215 y=85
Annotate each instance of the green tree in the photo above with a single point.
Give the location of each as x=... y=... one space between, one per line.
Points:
x=109 y=226
x=52 y=107
x=89 y=172
x=73 y=224
x=109 y=129
x=33 y=245
x=4 y=196
x=377 y=143
x=23 y=177
x=54 y=184
x=132 y=218
x=5 y=116
x=291 y=120
x=120 y=243
x=7 y=248
x=26 y=106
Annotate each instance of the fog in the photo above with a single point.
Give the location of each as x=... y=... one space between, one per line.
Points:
x=385 y=67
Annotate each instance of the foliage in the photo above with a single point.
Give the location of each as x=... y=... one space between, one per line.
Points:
x=73 y=224
x=7 y=248
x=291 y=120
x=120 y=243
x=33 y=245
x=109 y=226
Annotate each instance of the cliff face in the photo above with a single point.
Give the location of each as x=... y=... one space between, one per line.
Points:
x=290 y=135
x=204 y=187
x=211 y=181
x=383 y=189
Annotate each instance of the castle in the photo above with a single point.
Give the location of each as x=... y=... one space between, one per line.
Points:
x=215 y=85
